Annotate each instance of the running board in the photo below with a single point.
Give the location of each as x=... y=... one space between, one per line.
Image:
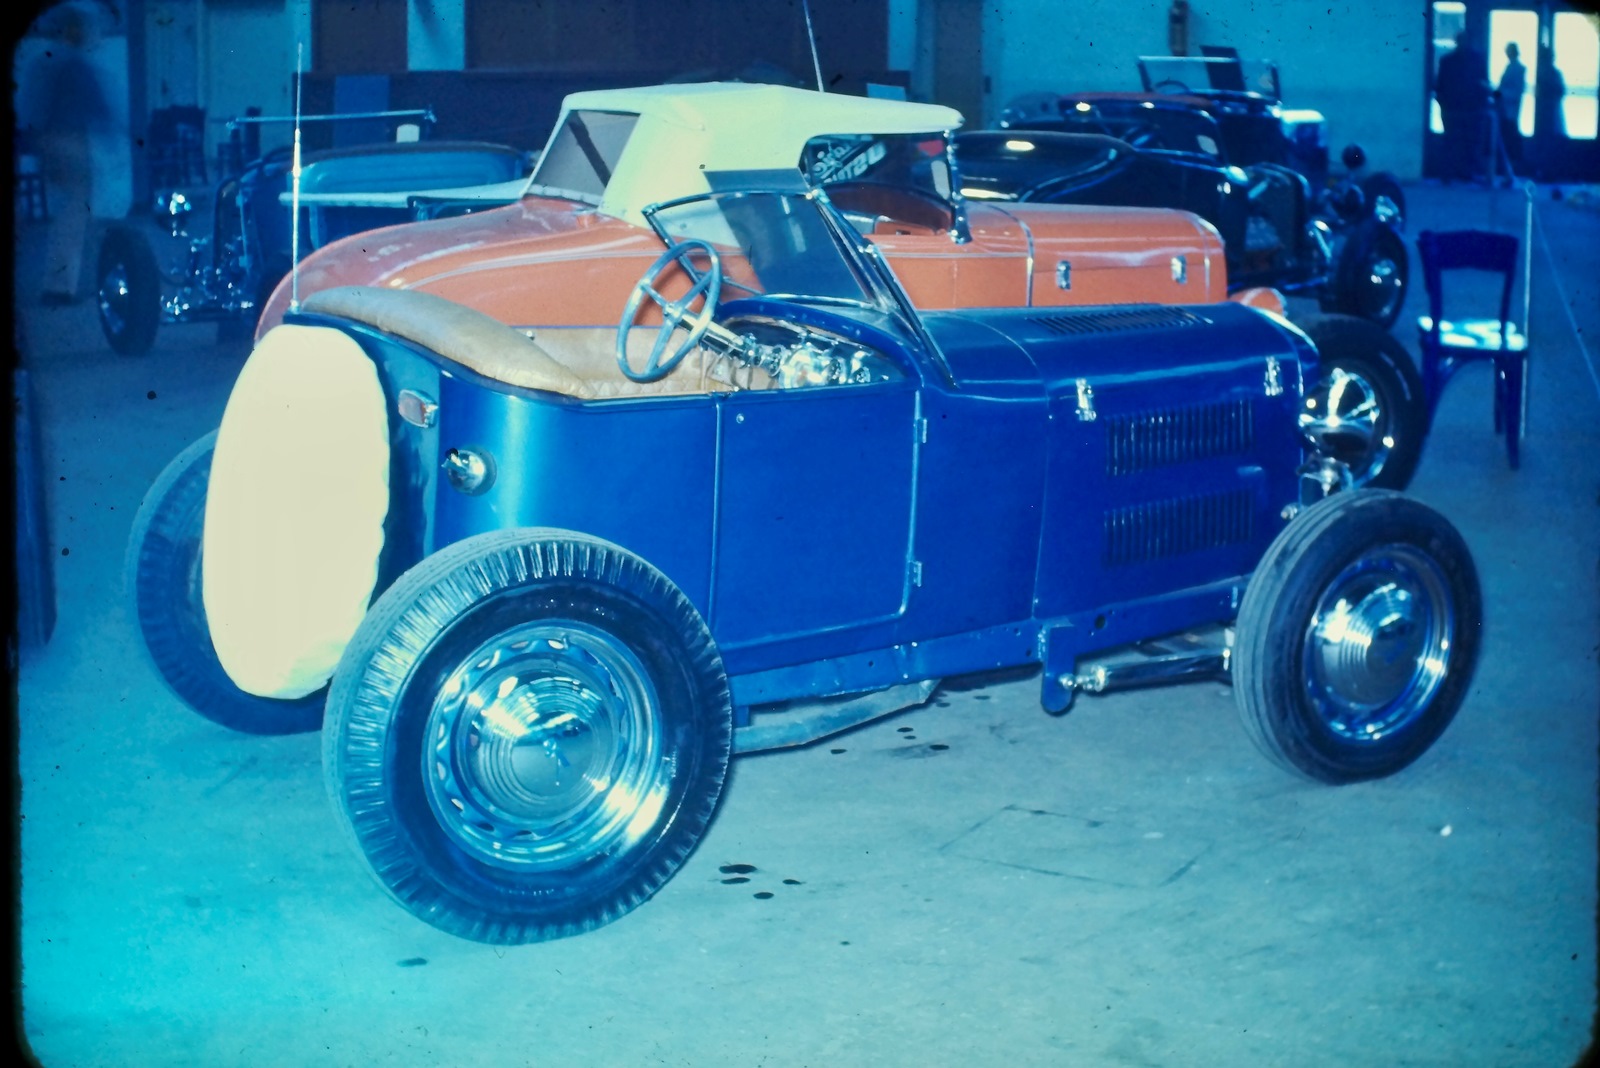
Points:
x=802 y=724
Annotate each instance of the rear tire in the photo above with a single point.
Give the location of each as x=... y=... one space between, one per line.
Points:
x=163 y=584
x=128 y=291
x=1357 y=638
x=1367 y=408
x=528 y=735
x=1372 y=275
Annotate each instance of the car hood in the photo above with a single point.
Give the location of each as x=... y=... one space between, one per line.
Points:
x=543 y=262
x=482 y=260
x=1021 y=351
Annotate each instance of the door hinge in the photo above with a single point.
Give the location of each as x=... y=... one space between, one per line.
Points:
x=1064 y=275
x=922 y=431
x=916 y=574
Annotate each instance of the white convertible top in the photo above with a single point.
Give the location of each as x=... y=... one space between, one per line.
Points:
x=685 y=130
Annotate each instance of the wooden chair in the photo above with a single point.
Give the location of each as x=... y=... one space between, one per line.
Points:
x=1449 y=343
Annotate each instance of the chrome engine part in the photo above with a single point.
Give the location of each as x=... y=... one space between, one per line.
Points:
x=797 y=357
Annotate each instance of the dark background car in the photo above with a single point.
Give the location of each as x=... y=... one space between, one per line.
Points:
x=1286 y=220
x=1279 y=229
x=163 y=268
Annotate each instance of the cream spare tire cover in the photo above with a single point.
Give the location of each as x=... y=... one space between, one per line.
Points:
x=294 y=510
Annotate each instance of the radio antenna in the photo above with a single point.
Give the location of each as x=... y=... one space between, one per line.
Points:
x=811 y=35
x=294 y=184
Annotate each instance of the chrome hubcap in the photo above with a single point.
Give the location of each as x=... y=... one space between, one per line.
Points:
x=1344 y=418
x=544 y=748
x=1384 y=209
x=113 y=298
x=1384 y=277
x=1378 y=646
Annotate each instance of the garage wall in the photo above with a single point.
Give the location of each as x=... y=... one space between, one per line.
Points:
x=1359 y=63
x=247 y=60
x=434 y=37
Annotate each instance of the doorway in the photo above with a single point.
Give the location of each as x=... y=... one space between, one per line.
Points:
x=1551 y=133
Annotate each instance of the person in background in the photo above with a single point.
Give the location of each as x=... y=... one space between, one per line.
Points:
x=1549 y=119
x=1462 y=90
x=1513 y=83
x=59 y=101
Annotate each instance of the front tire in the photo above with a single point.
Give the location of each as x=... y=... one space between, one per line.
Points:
x=1381 y=187
x=1357 y=637
x=1372 y=274
x=128 y=291
x=1367 y=409
x=528 y=735
x=163 y=585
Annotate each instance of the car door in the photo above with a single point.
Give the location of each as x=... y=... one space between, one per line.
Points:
x=814 y=510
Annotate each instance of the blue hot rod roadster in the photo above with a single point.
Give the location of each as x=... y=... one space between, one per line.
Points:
x=539 y=585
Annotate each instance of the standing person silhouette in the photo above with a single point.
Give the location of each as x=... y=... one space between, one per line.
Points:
x=1461 y=87
x=1513 y=83
x=59 y=101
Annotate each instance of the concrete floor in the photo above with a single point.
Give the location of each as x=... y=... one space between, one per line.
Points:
x=973 y=882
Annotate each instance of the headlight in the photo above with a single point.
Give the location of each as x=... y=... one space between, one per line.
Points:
x=172 y=210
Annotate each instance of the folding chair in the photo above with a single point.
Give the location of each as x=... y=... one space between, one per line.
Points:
x=1450 y=343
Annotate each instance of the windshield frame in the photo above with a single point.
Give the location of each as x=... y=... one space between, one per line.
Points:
x=864 y=259
x=874 y=298
x=959 y=229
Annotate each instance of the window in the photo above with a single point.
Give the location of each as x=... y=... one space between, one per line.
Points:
x=1575 y=47
x=1520 y=28
x=584 y=152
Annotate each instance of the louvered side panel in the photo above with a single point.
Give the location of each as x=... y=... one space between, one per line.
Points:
x=1117 y=320
x=1141 y=441
x=1161 y=529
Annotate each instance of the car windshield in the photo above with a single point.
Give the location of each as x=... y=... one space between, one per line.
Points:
x=903 y=177
x=776 y=243
x=1144 y=125
x=999 y=165
x=584 y=151
x=914 y=161
x=1209 y=74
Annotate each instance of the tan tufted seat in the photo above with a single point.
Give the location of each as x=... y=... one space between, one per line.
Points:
x=577 y=362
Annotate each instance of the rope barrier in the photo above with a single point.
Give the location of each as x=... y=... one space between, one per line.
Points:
x=1533 y=221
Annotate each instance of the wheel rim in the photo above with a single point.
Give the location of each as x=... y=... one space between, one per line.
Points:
x=114 y=297
x=1378 y=646
x=1384 y=287
x=544 y=749
x=1344 y=416
x=1385 y=209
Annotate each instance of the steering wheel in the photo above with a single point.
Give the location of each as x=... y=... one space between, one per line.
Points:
x=1170 y=85
x=674 y=313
